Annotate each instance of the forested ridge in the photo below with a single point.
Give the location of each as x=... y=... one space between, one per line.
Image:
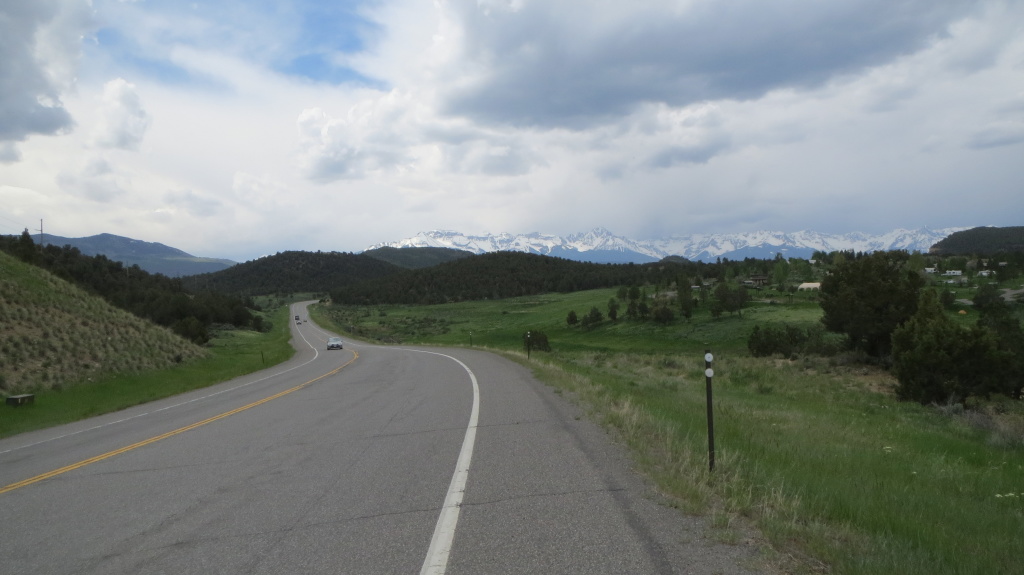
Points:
x=982 y=240
x=500 y=275
x=293 y=271
x=416 y=258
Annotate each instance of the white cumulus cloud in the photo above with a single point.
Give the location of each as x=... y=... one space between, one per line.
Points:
x=122 y=121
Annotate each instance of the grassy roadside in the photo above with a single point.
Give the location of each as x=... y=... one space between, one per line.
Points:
x=231 y=354
x=816 y=452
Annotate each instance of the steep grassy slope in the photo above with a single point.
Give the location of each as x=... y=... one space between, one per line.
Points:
x=53 y=334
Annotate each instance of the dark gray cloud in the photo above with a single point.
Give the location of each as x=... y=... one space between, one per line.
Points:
x=997 y=136
x=545 y=65
x=698 y=153
x=40 y=37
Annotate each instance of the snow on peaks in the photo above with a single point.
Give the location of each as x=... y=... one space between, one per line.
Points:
x=601 y=246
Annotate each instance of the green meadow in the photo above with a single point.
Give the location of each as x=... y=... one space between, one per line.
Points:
x=815 y=452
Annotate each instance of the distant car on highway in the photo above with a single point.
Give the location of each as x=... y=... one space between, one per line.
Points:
x=334 y=343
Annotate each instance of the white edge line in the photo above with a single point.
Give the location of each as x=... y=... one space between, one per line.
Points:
x=444 y=532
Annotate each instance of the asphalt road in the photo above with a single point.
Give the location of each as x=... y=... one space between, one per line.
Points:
x=363 y=460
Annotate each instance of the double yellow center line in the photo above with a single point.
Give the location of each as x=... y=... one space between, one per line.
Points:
x=145 y=442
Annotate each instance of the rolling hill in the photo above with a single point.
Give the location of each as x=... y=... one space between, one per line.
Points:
x=54 y=334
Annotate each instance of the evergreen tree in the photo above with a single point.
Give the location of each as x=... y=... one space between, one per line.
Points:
x=780 y=272
x=947 y=298
x=26 y=248
x=686 y=301
x=731 y=299
x=868 y=297
x=937 y=361
x=634 y=293
x=613 y=309
x=663 y=314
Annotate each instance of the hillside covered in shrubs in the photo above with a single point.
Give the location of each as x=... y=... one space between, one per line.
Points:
x=53 y=333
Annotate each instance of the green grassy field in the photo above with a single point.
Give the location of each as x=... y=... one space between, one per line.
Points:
x=232 y=353
x=816 y=452
x=500 y=324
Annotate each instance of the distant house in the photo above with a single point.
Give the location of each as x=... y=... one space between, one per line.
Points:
x=930 y=270
x=954 y=273
x=807 y=286
x=985 y=273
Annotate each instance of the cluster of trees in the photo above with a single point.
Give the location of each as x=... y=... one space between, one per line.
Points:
x=880 y=304
x=155 y=297
x=866 y=298
x=592 y=318
x=729 y=298
x=937 y=360
x=790 y=341
x=662 y=307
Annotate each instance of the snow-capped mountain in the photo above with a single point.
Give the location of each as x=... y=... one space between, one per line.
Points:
x=601 y=246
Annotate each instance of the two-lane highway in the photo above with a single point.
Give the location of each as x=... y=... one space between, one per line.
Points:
x=342 y=462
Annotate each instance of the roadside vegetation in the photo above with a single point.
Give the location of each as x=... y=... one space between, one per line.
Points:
x=54 y=332
x=80 y=357
x=814 y=446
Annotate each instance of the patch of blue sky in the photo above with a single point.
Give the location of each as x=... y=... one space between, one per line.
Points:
x=319 y=68
x=128 y=57
x=306 y=39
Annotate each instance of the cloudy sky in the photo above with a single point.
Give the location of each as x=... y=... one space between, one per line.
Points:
x=239 y=128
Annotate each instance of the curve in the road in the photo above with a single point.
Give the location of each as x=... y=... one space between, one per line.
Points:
x=444 y=533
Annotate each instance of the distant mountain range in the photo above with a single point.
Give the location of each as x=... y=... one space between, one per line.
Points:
x=598 y=246
x=150 y=256
x=601 y=246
